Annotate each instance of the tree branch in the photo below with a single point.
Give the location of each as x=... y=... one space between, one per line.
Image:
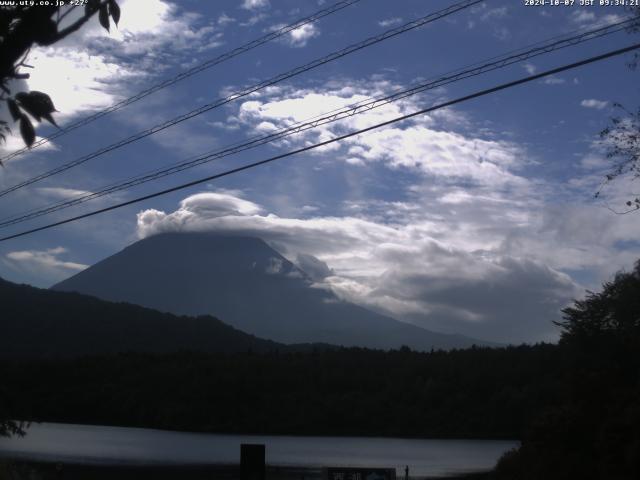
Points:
x=73 y=27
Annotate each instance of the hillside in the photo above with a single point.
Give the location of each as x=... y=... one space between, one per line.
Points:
x=248 y=284
x=45 y=323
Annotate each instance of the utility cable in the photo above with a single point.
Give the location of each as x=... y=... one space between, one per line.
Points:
x=186 y=74
x=249 y=166
x=329 y=117
x=255 y=88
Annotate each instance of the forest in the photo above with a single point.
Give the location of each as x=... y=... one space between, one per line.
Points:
x=574 y=405
x=475 y=393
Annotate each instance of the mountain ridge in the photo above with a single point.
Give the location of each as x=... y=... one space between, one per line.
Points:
x=248 y=284
x=41 y=323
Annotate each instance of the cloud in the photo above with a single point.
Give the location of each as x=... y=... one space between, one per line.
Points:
x=593 y=103
x=152 y=36
x=255 y=4
x=224 y=19
x=414 y=147
x=89 y=87
x=593 y=161
x=553 y=80
x=14 y=142
x=589 y=19
x=254 y=19
x=402 y=270
x=486 y=303
x=389 y=22
x=314 y=267
x=582 y=15
x=300 y=36
x=479 y=197
x=45 y=264
x=530 y=68
x=462 y=225
x=494 y=13
x=62 y=193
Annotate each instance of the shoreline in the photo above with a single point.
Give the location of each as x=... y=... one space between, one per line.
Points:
x=443 y=438
x=50 y=470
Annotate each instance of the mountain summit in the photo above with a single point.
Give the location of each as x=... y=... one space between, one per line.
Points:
x=247 y=284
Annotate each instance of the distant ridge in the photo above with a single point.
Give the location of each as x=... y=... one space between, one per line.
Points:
x=250 y=286
x=45 y=323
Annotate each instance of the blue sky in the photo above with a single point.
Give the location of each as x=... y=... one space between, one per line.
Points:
x=478 y=219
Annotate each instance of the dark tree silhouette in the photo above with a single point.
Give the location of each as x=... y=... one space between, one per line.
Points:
x=594 y=433
x=22 y=27
x=615 y=310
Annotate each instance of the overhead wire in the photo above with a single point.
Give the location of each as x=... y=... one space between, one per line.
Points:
x=401 y=118
x=509 y=58
x=186 y=74
x=248 y=91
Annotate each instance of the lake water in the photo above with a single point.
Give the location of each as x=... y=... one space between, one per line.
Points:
x=108 y=445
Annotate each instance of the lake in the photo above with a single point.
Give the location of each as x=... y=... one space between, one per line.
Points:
x=118 y=445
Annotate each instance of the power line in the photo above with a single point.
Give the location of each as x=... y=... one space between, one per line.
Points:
x=481 y=93
x=187 y=73
x=329 y=117
x=243 y=93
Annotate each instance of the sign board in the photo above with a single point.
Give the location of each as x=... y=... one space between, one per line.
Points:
x=252 y=465
x=348 y=473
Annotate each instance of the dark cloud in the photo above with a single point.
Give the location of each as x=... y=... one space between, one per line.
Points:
x=314 y=267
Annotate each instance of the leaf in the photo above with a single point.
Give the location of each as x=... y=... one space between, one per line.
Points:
x=4 y=24
x=14 y=110
x=91 y=7
x=114 y=10
x=45 y=31
x=37 y=104
x=49 y=118
x=27 y=131
x=103 y=16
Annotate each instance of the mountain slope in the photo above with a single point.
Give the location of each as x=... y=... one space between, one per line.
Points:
x=248 y=284
x=45 y=323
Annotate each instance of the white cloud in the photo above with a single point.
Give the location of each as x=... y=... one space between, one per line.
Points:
x=469 y=226
x=254 y=19
x=224 y=19
x=472 y=178
x=530 y=68
x=402 y=269
x=14 y=142
x=582 y=15
x=553 y=80
x=416 y=146
x=62 y=193
x=92 y=69
x=389 y=22
x=593 y=103
x=46 y=264
x=254 y=4
x=76 y=80
x=301 y=35
x=586 y=18
x=592 y=161
x=494 y=13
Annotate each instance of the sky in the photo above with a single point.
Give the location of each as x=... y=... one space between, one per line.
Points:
x=478 y=219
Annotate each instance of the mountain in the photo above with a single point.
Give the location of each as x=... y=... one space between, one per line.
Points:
x=248 y=284
x=45 y=323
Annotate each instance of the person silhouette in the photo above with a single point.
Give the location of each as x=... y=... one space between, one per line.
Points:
x=406 y=472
